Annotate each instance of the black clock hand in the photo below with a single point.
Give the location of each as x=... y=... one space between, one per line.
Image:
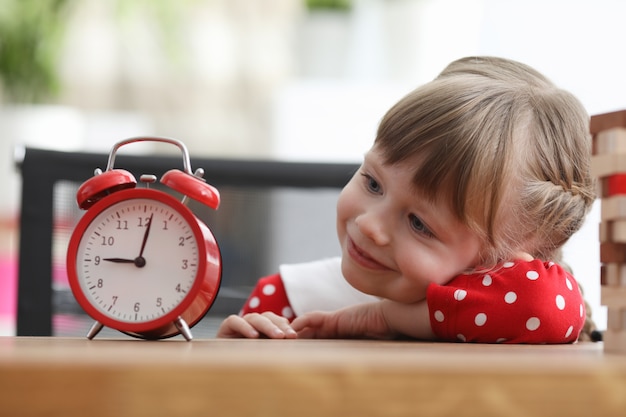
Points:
x=119 y=260
x=145 y=235
x=140 y=260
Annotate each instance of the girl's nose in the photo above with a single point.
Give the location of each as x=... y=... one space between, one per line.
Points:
x=373 y=226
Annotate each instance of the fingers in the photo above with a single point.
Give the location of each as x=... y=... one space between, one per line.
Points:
x=523 y=256
x=236 y=327
x=310 y=326
x=308 y=320
x=255 y=325
x=271 y=325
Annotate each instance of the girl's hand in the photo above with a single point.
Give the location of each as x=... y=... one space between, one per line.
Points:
x=255 y=325
x=523 y=256
x=358 y=322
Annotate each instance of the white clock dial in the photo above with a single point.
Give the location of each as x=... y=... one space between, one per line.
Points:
x=137 y=260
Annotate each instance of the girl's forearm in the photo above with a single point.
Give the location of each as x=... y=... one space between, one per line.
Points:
x=379 y=320
x=410 y=320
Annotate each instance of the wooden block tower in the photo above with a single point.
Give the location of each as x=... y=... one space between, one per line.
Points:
x=608 y=164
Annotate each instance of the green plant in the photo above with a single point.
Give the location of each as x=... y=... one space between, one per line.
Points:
x=31 y=34
x=329 y=4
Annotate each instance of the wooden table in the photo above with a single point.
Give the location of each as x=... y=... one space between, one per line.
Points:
x=78 y=377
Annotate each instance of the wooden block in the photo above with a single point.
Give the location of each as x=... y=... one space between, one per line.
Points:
x=613 y=208
x=613 y=231
x=605 y=121
x=612 y=185
x=603 y=165
x=610 y=141
x=614 y=341
x=616 y=184
x=616 y=319
x=613 y=297
x=605 y=232
x=612 y=252
x=613 y=274
x=601 y=188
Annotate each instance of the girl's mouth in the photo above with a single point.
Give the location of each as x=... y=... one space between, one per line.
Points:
x=362 y=258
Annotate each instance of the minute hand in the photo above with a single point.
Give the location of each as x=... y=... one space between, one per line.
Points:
x=145 y=236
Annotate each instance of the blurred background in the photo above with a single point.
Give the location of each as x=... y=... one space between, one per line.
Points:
x=271 y=79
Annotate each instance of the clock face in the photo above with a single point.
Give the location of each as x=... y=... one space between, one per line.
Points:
x=137 y=259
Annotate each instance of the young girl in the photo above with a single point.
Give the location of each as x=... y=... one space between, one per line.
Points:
x=452 y=227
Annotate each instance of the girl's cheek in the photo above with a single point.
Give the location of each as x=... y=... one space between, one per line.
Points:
x=346 y=201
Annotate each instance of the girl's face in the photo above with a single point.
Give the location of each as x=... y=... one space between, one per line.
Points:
x=395 y=243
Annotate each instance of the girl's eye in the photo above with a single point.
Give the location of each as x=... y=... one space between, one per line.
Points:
x=371 y=184
x=418 y=225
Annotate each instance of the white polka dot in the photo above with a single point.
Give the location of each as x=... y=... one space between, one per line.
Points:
x=532 y=275
x=460 y=295
x=560 y=302
x=508 y=264
x=550 y=265
x=269 y=289
x=480 y=319
x=461 y=337
x=569 y=284
x=569 y=331
x=254 y=302
x=439 y=316
x=533 y=323
x=582 y=310
x=287 y=312
x=510 y=297
x=501 y=340
x=487 y=280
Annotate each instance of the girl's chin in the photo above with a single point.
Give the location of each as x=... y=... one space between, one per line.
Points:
x=353 y=277
x=360 y=282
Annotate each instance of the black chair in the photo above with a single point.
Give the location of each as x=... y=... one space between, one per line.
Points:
x=271 y=212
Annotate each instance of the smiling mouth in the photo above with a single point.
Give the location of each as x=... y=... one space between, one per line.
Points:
x=362 y=258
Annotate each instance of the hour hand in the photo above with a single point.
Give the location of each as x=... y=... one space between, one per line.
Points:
x=119 y=260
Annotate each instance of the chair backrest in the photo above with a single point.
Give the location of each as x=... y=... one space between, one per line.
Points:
x=271 y=212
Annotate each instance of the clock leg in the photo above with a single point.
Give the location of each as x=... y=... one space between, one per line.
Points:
x=95 y=329
x=182 y=326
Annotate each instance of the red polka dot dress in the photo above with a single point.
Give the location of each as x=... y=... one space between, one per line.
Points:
x=269 y=295
x=517 y=302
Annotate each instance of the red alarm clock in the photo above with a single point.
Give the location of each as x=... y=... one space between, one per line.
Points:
x=139 y=261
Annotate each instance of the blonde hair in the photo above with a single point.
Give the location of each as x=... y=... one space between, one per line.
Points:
x=508 y=150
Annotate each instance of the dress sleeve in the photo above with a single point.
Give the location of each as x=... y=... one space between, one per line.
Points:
x=269 y=295
x=518 y=302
